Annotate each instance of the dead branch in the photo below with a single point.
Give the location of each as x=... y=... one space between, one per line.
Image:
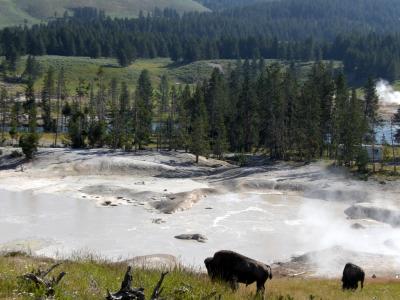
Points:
x=38 y=277
x=126 y=291
x=158 y=289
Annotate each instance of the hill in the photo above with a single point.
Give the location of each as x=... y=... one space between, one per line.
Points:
x=15 y=12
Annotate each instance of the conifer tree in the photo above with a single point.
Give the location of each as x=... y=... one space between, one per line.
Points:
x=143 y=110
x=181 y=135
x=61 y=94
x=29 y=141
x=216 y=103
x=14 y=120
x=48 y=93
x=199 y=142
x=371 y=116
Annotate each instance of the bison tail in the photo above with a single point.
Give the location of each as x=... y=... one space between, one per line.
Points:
x=270 y=273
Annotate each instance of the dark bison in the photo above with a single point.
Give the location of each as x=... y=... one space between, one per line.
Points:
x=235 y=268
x=352 y=274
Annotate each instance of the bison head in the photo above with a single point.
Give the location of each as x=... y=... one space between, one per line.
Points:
x=210 y=267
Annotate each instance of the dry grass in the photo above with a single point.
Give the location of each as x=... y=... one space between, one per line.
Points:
x=89 y=279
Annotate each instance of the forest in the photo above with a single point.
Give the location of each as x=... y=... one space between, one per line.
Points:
x=251 y=107
x=285 y=30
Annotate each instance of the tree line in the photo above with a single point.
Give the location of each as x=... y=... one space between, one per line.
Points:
x=248 y=108
x=366 y=40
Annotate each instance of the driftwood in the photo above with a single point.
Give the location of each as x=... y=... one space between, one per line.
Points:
x=126 y=291
x=39 y=278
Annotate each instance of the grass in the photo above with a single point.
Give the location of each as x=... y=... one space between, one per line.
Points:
x=86 y=68
x=89 y=279
x=15 y=12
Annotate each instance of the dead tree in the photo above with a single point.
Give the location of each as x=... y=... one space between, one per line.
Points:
x=126 y=291
x=39 y=278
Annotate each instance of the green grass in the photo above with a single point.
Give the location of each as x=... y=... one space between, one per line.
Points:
x=86 y=68
x=15 y=12
x=88 y=279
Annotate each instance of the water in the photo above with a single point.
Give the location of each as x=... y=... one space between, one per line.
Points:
x=268 y=227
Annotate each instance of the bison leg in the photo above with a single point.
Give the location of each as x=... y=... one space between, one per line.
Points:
x=234 y=283
x=261 y=289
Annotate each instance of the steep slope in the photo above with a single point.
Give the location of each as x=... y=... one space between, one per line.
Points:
x=14 y=12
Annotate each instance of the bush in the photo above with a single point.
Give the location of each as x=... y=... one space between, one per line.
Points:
x=29 y=144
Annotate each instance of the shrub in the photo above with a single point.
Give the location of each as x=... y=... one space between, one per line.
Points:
x=29 y=144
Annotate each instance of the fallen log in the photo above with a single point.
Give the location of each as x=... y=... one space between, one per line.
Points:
x=39 y=278
x=126 y=291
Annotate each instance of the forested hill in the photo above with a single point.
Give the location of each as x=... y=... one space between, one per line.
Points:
x=15 y=12
x=364 y=34
x=321 y=19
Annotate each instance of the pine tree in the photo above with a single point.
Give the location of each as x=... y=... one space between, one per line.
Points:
x=339 y=113
x=29 y=141
x=181 y=135
x=216 y=103
x=32 y=69
x=143 y=110
x=115 y=125
x=247 y=113
x=353 y=131
x=163 y=109
x=199 y=142
x=371 y=116
x=61 y=97
x=48 y=93
x=77 y=125
x=14 y=120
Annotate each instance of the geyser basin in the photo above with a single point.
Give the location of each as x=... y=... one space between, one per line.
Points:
x=268 y=226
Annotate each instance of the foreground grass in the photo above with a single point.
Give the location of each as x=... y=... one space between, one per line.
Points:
x=88 y=279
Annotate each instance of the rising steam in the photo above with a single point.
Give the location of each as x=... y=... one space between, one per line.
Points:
x=387 y=94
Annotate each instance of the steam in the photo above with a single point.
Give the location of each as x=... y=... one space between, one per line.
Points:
x=387 y=94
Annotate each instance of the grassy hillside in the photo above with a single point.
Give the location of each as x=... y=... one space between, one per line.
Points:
x=14 y=12
x=88 y=279
x=86 y=68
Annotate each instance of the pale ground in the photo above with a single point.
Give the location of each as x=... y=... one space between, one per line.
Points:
x=307 y=219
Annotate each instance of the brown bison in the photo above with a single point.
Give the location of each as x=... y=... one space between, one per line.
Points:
x=235 y=268
x=352 y=274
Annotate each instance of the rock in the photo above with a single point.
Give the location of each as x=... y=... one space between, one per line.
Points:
x=106 y=203
x=119 y=198
x=208 y=208
x=357 y=226
x=374 y=276
x=196 y=237
x=158 y=221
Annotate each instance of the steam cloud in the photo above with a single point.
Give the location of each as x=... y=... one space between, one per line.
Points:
x=386 y=93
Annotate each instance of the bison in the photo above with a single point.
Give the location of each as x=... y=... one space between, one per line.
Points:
x=235 y=268
x=352 y=274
